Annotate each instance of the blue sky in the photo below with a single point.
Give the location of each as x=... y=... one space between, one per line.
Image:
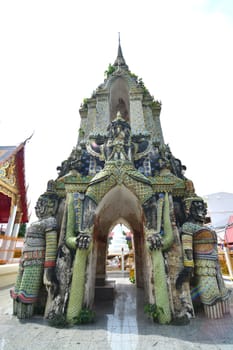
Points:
x=223 y=6
x=54 y=54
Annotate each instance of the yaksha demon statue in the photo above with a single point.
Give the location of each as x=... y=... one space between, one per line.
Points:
x=37 y=264
x=201 y=261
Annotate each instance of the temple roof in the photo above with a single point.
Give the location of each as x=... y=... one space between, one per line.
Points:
x=12 y=182
x=7 y=152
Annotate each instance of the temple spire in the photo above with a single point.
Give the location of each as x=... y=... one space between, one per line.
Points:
x=120 y=61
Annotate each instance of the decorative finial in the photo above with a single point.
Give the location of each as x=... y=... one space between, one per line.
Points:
x=120 y=61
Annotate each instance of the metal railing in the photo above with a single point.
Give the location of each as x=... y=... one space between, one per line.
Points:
x=10 y=249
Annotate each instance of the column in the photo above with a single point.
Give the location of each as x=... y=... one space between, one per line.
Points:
x=8 y=234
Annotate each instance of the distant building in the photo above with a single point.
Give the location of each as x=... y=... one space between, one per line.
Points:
x=220 y=212
x=13 y=201
x=229 y=233
x=220 y=208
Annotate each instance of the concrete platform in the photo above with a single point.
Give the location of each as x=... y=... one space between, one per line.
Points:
x=120 y=325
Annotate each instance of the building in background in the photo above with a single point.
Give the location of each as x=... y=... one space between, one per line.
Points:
x=220 y=209
x=13 y=199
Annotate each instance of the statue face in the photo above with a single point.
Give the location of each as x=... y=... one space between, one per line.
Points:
x=162 y=163
x=45 y=207
x=40 y=207
x=116 y=129
x=198 y=210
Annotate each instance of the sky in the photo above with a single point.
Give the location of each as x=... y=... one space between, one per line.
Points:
x=54 y=54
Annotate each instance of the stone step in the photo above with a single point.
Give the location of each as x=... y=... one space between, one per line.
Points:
x=105 y=292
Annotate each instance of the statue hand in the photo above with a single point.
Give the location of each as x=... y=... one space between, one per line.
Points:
x=50 y=280
x=184 y=276
x=83 y=241
x=155 y=241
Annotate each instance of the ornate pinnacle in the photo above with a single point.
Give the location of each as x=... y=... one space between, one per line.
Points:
x=120 y=61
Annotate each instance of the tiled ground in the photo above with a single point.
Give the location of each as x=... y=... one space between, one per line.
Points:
x=120 y=325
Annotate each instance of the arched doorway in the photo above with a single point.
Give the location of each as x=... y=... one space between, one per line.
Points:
x=119 y=99
x=119 y=205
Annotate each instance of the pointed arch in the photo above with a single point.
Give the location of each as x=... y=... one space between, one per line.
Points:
x=119 y=99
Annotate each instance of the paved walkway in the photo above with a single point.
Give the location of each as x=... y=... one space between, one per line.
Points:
x=121 y=325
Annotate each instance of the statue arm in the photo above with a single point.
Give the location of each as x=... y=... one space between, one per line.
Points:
x=70 y=234
x=83 y=238
x=187 y=246
x=167 y=225
x=188 y=262
x=51 y=243
x=50 y=254
x=157 y=240
x=158 y=244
